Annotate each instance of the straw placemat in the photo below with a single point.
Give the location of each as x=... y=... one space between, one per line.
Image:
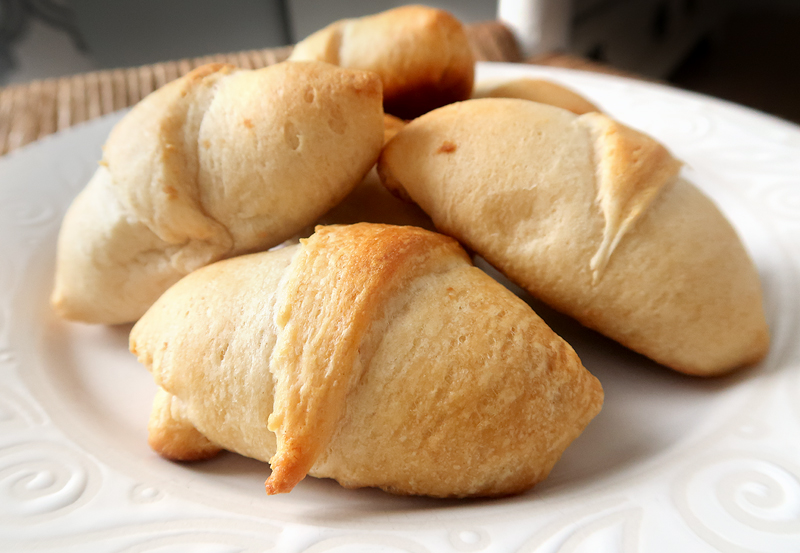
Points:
x=32 y=110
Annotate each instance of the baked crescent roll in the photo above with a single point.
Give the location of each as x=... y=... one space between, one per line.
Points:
x=593 y=218
x=422 y=55
x=214 y=164
x=537 y=90
x=372 y=354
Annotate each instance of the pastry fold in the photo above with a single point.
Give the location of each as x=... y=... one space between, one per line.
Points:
x=214 y=164
x=372 y=354
x=593 y=218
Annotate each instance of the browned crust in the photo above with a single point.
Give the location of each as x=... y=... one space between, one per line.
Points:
x=443 y=71
x=335 y=288
x=632 y=169
x=422 y=55
x=172 y=435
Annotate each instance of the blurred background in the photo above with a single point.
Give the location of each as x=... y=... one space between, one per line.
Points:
x=747 y=51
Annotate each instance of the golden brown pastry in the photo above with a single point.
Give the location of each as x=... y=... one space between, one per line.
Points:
x=372 y=354
x=593 y=218
x=422 y=55
x=214 y=164
x=538 y=90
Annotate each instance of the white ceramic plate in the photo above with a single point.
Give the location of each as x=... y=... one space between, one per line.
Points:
x=672 y=463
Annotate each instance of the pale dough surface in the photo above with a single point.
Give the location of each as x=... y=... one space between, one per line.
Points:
x=372 y=354
x=217 y=163
x=591 y=217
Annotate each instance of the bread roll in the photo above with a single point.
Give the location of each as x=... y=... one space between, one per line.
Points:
x=372 y=354
x=593 y=218
x=537 y=90
x=422 y=55
x=214 y=164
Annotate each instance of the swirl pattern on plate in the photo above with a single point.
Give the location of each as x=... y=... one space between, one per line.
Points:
x=43 y=480
x=17 y=412
x=366 y=543
x=605 y=526
x=742 y=501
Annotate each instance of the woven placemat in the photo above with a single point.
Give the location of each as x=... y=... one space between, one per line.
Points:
x=33 y=110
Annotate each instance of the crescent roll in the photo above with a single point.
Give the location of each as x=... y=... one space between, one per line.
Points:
x=422 y=55
x=219 y=162
x=372 y=354
x=537 y=90
x=593 y=218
